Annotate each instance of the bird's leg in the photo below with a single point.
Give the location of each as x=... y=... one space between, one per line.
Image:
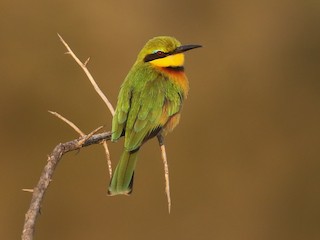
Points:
x=166 y=168
x=160 y=139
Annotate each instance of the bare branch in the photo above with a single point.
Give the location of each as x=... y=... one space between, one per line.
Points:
x=85 y=69
x=90 y=134
x=46 y=176
x=71 y=124
x=98 y=90
x=62 y=148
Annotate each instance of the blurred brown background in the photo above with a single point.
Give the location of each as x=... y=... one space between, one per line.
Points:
x=244 y=161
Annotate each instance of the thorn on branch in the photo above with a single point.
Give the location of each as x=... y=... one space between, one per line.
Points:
x=27 y=190
x=86 y=62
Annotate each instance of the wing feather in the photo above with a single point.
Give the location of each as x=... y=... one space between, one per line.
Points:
x=143 y=108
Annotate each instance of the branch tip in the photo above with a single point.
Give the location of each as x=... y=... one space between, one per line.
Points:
x=107 y=152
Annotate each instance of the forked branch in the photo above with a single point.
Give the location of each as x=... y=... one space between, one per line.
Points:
x=62 y=148
x=46 y=176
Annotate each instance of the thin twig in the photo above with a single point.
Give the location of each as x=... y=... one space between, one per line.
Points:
x=106 y=149
x=71 y=124
x=98 y=90
x=166 y=169
x=85 y=69
x=166 y=175
x=46 y=176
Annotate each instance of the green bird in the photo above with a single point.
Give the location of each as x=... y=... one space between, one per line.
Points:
x=149 y=103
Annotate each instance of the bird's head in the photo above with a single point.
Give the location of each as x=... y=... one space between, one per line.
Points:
x=164 y=51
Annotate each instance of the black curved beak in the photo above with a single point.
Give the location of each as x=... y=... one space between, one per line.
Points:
x=185 y=48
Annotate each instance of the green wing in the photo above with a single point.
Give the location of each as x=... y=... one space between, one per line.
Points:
x=121 y=113
x=145 y=113
x=140 y=109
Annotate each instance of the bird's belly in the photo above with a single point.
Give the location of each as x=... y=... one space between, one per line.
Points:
x=171 y=123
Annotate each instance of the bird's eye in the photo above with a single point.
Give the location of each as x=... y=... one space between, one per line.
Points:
x=160 y=53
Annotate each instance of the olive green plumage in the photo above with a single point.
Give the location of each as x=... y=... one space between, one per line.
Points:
x=149 y=97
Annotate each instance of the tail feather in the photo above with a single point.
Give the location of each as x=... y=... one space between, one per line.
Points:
x=122 y=179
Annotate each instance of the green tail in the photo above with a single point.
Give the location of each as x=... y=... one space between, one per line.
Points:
x=122 y=179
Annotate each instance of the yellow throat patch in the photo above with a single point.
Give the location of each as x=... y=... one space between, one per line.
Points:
x=175 y=60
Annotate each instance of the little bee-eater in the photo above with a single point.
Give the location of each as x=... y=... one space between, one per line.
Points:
x=149 y=103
